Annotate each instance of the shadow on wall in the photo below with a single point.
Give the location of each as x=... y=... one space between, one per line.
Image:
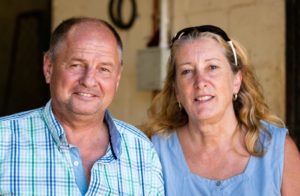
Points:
x=22 y=85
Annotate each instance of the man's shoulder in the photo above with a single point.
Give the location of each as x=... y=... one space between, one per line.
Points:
x=25 y=115
x=19 y=124
x=129 y=130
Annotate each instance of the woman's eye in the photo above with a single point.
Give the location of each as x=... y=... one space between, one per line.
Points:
x=184 y=72
x=212 y=67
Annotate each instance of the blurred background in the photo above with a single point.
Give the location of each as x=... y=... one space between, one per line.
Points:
x=269 y=29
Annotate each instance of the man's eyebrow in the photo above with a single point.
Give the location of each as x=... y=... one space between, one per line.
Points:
x=77 y=59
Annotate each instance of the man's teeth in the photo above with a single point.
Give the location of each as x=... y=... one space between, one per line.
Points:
x=203 y=98
x=85 y=94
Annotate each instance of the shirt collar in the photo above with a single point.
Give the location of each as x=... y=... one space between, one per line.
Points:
x=57 y=130
x=115 y=136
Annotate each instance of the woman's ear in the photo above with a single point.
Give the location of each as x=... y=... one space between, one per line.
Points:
x=176 y=91
x=237 y=82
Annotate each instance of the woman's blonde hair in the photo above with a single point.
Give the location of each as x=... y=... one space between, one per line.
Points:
x=250 y=109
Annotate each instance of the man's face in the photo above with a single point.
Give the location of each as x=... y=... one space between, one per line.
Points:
x=86 y=72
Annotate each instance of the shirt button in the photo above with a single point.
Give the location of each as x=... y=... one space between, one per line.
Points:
x=76 y=163
x=218 y=183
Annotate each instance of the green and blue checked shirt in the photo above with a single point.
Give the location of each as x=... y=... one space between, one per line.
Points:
x=35 y=161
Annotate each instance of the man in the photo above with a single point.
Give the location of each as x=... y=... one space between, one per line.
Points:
x=73 y=146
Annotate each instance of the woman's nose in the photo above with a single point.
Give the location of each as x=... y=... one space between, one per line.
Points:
x=200 y=80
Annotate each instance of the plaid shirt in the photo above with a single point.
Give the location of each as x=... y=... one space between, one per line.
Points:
x=34 y=161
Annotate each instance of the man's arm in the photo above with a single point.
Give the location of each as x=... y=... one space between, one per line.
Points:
x=157 y=182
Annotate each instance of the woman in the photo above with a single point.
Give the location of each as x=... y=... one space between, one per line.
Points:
x=211 y=127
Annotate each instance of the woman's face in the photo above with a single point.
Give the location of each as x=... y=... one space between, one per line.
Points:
x=205 y=83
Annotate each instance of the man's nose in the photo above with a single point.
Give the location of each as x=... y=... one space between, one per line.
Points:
x=88 y=78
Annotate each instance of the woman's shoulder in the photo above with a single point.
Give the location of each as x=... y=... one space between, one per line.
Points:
x=165 y=143
x=273 y=140
x=163 y=139
x=274 y=130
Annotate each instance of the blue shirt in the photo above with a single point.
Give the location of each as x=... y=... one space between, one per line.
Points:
x=35 y=159
x=262 y=176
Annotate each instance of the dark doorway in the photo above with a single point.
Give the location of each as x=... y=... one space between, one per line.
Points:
x=26 y=26
x=293 y=68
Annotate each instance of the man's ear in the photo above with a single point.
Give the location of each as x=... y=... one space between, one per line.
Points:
x=47 y=67
x=119 y=76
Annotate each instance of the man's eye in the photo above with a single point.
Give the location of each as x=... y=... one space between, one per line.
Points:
x=104 y=69
x=76 y=65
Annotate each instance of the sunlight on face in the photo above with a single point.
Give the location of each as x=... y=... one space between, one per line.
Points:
x=205 y=82
x=86 y=73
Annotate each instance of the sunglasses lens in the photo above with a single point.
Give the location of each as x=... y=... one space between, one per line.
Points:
x=204 y=28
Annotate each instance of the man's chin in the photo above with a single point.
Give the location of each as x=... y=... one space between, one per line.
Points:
x=86 y=110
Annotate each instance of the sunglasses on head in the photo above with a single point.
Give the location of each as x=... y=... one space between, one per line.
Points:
x=206 y=28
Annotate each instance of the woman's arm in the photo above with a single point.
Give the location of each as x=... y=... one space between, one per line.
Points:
x=291 y=169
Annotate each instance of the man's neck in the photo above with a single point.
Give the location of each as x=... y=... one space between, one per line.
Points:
x=92 y=140
x=86 y=134
x=79 y=122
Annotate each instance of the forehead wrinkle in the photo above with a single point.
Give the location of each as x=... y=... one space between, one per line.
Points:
x=88 y=30
x=200 y=49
